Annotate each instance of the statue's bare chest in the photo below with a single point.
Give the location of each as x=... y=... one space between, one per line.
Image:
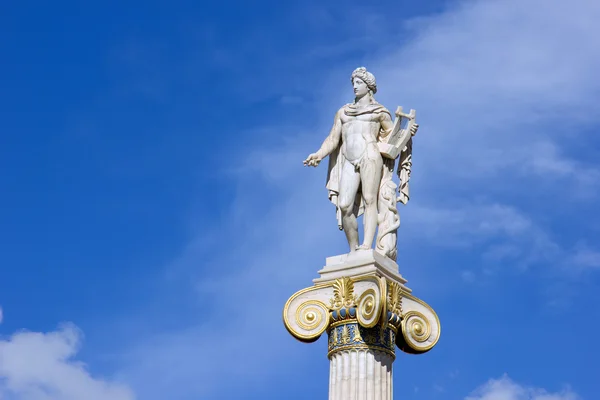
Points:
x=368 y=117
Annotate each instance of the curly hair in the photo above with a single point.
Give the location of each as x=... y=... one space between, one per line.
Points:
x=366 y=77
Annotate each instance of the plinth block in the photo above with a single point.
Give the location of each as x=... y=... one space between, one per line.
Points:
x=360 y=263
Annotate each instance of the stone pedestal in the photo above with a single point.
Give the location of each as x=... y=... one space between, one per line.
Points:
x=361 y=301
x=360 y=263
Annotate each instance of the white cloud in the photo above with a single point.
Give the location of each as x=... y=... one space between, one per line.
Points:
x=506 y=389
x=489 y=79
x=467 y=276
x=469 y=222
x=583 y=258
x=41 y=366
x=243 y=286
x=499 y=233
x=501 y=89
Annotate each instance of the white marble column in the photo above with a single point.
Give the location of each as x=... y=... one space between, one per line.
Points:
x=360 y=374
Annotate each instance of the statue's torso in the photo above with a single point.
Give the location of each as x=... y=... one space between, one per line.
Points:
x=358 y=133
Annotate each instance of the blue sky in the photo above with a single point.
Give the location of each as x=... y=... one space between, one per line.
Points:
x=156 y=215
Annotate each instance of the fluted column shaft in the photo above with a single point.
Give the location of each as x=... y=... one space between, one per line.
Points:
x=360 y=361
x=360 y=374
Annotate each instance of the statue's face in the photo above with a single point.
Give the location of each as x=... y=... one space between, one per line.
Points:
x=360 y=87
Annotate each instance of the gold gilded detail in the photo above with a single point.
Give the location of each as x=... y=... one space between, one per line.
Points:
x=295 y=317
x=367 y=312
x=345 y=335
x=361 y=346
x=368 y=308
x=357 y=336
x=342 y=322
x=394 y=300
x=310 y=314
x=417 y=326
x=343 y=293
x=417 y=338
x=351 y=337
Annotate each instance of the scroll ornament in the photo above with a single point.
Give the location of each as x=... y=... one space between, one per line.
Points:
x=349 y=308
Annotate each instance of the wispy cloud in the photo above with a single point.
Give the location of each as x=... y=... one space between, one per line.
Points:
x=499 y=232
x=582 y=258
x=500 y=235
x=506 y=389
x=41 y=366
x=502 y=90
x=500 y=87
x=244 y=282
x=488 y=81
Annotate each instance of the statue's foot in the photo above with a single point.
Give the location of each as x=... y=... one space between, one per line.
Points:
x=363 y=247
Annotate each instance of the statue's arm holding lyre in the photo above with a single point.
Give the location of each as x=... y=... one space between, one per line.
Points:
x=387 y=126
x=329 y=145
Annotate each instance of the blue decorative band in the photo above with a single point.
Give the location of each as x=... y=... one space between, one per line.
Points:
x=350 y=336
x=343 y=313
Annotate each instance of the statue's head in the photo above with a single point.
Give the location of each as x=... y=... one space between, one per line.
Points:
x=363 y=82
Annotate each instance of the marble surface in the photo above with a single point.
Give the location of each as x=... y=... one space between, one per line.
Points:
x=367 y=279
x=360 y=299
x=362 y=146
x=360 y=375
x=364 y=305
x=359 y=263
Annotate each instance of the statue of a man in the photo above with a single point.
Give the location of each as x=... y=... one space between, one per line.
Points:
x=356 y=165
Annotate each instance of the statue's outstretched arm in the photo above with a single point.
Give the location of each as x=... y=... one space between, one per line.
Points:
x=332 y=141
x=329 y=145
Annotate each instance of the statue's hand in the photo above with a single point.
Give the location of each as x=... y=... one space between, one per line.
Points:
x=413 y=129
x=312 y=160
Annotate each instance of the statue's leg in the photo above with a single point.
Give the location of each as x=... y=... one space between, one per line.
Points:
x=349 y=182
x=371 y=171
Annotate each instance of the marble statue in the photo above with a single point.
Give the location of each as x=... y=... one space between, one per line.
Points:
x=363 y=146
x=360 y=299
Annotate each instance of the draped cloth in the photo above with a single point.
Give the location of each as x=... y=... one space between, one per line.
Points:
x=404 y=169
x=337 y=159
